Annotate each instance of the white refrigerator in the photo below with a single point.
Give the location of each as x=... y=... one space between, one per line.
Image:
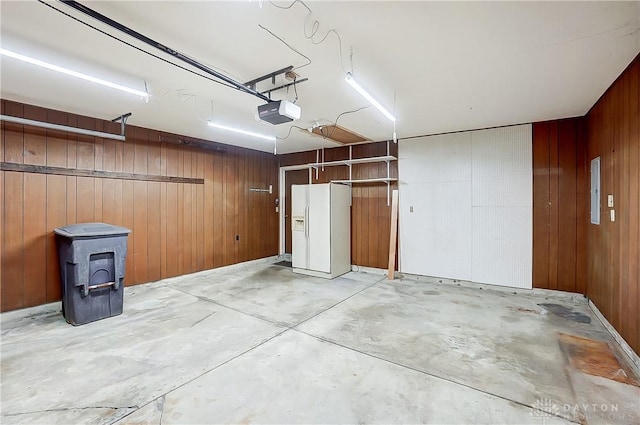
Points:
x=321 y=229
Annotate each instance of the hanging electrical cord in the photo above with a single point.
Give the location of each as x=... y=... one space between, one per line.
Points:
x=315 y=27
x=289 y=133
x=136 y=47
x=289 y=46
x=335 y=123
x=395 y=136
x=295 y=89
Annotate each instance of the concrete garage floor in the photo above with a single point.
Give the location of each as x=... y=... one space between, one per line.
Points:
x=259 y=344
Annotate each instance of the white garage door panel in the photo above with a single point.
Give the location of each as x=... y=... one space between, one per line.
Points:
x=502 y=252
x=441 y=228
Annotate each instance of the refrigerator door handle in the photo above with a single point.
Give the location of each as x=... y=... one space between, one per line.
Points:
x=306 y=222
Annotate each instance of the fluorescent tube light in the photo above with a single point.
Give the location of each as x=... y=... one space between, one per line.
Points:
x=349 y=79
x=62 y=70
x=237 y=130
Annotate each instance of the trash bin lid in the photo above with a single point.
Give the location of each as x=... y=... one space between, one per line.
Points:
x=86 y=230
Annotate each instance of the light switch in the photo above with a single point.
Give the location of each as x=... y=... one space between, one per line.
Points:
x=610 y=201
x=270 y=188
x=411 y=209
x=613 y=215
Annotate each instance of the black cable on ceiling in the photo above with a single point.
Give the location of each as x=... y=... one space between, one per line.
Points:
x=315 y=26
x=166 y=49
x=114 y=24
x=134 y=46
x=289 y=46
x=335 y=123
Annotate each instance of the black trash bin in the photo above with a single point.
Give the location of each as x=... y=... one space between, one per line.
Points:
x=92 y=257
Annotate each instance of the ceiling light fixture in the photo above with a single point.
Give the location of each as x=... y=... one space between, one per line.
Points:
x=349 y=79
x=237 y=130
x=66 y=71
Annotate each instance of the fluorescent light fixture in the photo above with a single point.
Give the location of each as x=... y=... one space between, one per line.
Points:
x=349 y=79
x=66 y=71
x=237 y=130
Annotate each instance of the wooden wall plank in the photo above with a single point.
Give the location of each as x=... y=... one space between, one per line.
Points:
x=172 y=212
x=154 y=230
x=35 y=240
x=553 y=204
x=34 y=235
x=2 y=136
x=140 y=207
x=85 y=157
x=621 y=200
x=194 y=214
x=154 y=167
x=56 y=216
x=209 y=224
x=163 y=209
x=14 y=134
x=218 y=208
x=541 y=205
x=228 y=212
x=567 y=205
x=72 y=182
x=98 y=151
x=583 y=182
x=633 y=262
x=13 y=261
x=187 y=220
x=611 y=187
x=200 y=212
x=109 y=185
x=128 y=214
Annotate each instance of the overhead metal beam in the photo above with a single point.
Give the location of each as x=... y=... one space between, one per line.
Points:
x=284 y=86
x=168 y=50
x=252 y=84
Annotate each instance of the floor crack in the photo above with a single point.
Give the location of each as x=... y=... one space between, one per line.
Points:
x=66 y=409
x=160 y=406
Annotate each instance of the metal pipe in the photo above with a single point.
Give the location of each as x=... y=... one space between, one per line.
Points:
x=114 y=24
x=50 y=126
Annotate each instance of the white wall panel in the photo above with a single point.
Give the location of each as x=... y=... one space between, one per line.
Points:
x=502 y=249
x=471 y=194
x=439 y=228
x=502 y=166
x=435 y=181
x=444 y=158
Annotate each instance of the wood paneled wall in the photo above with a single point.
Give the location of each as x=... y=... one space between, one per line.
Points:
x=560 y=202
x=177 y=228
x=370 y=214
x=613 y=248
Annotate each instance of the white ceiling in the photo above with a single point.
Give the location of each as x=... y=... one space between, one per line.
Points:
x=438 y=66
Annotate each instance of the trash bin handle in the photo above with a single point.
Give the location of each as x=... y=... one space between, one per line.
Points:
x=87 y=288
